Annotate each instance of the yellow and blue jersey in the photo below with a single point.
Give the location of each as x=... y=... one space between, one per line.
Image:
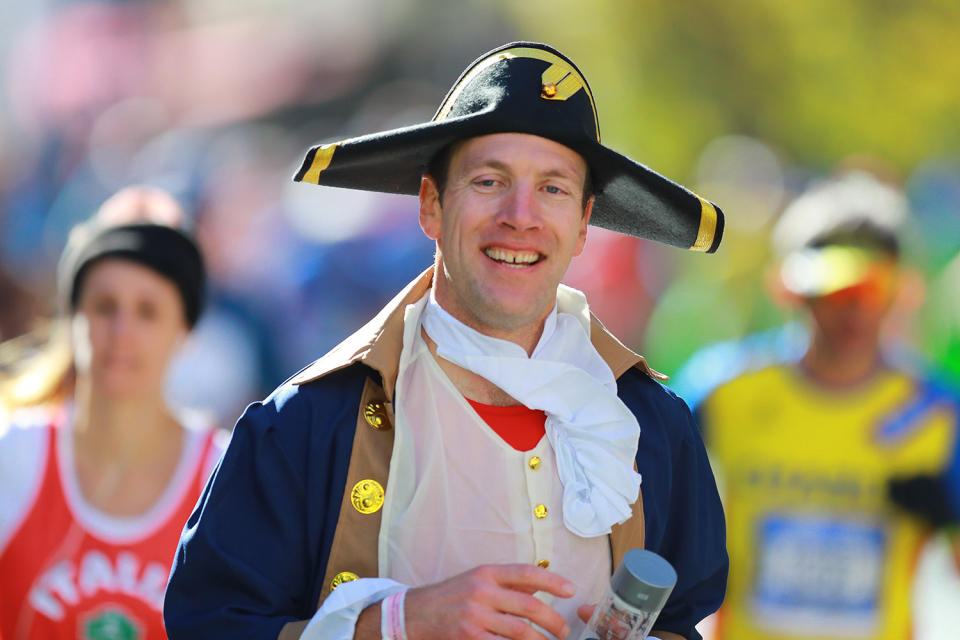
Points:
x=817 y=549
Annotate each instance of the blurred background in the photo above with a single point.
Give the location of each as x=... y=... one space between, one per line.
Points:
x=216 y=101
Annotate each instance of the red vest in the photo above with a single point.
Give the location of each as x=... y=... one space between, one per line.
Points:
x=59 y=580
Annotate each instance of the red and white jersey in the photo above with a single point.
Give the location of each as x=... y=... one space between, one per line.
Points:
x=70 y=571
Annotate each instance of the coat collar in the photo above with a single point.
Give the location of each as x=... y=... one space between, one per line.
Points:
x=379 y=342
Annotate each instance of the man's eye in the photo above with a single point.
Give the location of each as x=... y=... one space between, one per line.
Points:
x=104 y=307
x=147 y=311
x=487 y=182
x=554 y=189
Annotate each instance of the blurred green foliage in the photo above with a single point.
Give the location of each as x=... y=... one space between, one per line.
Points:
x=818 y=79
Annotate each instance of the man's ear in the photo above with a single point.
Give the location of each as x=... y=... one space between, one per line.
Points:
x=430 y=209
x=584 y=221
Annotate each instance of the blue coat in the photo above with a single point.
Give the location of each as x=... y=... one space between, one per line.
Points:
x=260 y=548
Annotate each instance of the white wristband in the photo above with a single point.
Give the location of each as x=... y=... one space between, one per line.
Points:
x=392 y=623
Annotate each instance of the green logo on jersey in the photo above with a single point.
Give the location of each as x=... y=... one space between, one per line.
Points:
x=111 y=624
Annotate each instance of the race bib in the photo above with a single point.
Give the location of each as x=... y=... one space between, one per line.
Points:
x=819 y=574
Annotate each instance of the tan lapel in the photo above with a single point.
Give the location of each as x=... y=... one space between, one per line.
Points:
x=353 y=553
x=629 y=535
x=632 y=533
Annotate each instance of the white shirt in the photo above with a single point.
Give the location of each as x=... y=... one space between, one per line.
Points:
x=459 y=496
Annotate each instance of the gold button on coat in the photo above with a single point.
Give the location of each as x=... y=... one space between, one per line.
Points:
x=375 y=413
x=543 y=564
x=548 y=89
x=340 y=578
x=367 y=496
x=534 y=463
x=540 y=511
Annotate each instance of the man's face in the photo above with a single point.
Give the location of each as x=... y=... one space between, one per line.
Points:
x=848 y=322
x=128 y=324
x=510 y=222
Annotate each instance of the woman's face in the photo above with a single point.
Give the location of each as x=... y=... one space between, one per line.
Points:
x=128 y=323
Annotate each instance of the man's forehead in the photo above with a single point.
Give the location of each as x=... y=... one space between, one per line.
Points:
x=503 y=150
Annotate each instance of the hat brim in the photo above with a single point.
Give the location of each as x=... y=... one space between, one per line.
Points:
x=630 y=197
x=820 y=271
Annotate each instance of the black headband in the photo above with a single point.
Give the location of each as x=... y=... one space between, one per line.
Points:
x=168 y=251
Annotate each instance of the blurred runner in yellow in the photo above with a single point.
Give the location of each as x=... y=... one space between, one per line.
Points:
x=836 y=467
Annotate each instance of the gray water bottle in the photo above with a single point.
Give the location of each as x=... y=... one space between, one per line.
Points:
x=638 y=590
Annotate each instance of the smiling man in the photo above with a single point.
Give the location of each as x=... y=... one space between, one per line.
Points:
x=469 y=463
x=509 y=220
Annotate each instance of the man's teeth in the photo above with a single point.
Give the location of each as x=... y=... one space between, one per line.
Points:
x=512 y=257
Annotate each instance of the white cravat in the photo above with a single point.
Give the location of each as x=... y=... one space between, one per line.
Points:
x=593 y=433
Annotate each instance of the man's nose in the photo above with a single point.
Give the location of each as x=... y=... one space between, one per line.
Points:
x=121 y=325
x=519 y=210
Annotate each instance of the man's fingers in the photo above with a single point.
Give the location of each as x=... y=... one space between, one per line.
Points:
x=585 y=611
x=530 y=579
x=518 y=583
x=506 y=626
x=521 y=606
x=492 y=599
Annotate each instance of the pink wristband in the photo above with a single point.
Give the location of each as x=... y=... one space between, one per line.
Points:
x=392 y=623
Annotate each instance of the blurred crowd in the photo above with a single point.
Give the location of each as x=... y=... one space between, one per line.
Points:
x=215 y=102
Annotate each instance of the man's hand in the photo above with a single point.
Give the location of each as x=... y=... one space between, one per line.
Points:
x=492 y=601
x=585 y=611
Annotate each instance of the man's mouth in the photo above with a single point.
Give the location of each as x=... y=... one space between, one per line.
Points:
x=511 y=258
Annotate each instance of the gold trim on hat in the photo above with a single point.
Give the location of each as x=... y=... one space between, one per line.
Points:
x=708 y=226
x=573 y=84
x=321 y=160
x=559 y=82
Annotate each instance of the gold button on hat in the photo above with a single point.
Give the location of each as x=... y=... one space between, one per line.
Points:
x=367 y=496
x=540 y=511
x=543 y=564
x=375 y=413
x=340 y=578
x=534 y=463
x=549 y=89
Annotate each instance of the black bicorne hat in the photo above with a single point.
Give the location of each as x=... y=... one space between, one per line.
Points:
x=525 y=87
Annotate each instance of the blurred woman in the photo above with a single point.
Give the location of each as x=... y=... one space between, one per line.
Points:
x=97 y=473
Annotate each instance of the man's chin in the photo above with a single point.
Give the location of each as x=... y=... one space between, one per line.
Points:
x=512 y=314
x=495 y=307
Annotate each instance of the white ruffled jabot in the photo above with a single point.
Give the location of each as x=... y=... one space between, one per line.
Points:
x=593 y=433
